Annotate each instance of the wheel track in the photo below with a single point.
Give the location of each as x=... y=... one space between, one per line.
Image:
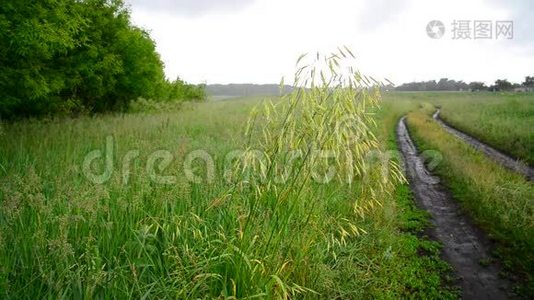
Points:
x=501 y=158
x=465 y=247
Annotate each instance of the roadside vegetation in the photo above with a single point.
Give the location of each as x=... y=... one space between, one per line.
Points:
x=498 y=200
x=502 y=120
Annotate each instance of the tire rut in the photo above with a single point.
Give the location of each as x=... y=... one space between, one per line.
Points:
x=501 y=158
x=465 y=247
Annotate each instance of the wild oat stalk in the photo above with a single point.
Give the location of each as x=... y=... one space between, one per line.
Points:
x=325 y=122
x=328 y=119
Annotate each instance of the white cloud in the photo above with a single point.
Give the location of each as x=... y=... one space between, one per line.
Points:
x=260 y=41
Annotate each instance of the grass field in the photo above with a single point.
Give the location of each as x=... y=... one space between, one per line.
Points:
x=498 y=200
x=62 y=235
x=503 y=120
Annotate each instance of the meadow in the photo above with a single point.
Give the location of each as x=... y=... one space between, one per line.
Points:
x=161 y=225
x=498 y=200
x=502 y=120
x=117 y=182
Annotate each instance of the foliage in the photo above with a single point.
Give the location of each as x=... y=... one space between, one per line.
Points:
x=477 y=86
x=328 y=117
x=502 y=120
x=499 y=200
x=502 y=85
x=63 y=236
x=65 y=56
x=34 y=34
x=529 y=81
x=443 y=84
x=180 y=90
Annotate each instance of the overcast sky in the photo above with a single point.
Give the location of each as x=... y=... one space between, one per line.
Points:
x=258 y=41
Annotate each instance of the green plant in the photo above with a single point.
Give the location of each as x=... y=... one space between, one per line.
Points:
x=497 y=199
x=63 y=236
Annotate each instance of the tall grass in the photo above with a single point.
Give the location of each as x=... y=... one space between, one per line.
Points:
x=499 y=200
x=328 y=114
x=61 y=235
x=503 y=120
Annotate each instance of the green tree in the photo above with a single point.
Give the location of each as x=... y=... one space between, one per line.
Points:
x=33 y=34
x=477 y=86
x=529 y=82
x=503 y=85
x=117 y=63
x=64 y=56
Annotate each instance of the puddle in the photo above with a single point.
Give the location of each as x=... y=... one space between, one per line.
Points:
x=465 y=247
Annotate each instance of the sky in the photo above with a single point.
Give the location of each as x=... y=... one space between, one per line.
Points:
x=258 y=41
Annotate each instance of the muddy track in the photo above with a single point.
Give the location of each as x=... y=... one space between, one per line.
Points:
x=464 y=246
x=501 y=158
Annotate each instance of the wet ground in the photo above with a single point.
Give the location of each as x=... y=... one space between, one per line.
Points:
x=465 y=247
x=501 y=158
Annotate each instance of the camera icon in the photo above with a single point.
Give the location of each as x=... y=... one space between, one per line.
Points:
x=435 y=29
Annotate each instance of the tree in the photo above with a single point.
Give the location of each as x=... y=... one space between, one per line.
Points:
x=116 y=63
x=180 y=90
x=477 y=86
x=33 y=34
x=64 y=56
x=443 y=84
x=529 y=82
x=503 y=85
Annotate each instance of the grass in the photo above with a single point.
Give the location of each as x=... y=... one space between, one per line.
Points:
x=497 y=199
x=61 y=235
x=503 y=120
x=157 y=222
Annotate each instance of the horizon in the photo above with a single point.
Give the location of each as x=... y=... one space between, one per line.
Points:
x=396 y=85
x=222 y=42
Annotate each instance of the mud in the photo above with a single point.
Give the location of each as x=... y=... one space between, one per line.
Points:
x=465 y=247
x=501 y=158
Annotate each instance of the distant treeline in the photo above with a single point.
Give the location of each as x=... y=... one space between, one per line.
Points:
x=445 y=84
x=246 y=89
x=70 y=56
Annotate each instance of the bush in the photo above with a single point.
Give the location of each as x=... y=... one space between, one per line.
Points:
x=69 y=56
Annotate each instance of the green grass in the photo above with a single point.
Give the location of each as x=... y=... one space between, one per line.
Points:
x=63 y=236
x=503 y=120
x=498 y=200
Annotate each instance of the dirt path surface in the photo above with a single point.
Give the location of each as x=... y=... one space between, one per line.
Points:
x=464 y=246
x=503 y=159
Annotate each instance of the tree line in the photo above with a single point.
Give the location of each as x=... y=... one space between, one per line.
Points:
x=73 y=56
x=446 y=84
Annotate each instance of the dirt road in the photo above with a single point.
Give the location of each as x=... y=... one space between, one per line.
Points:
x=465 y=247
x=503 y=159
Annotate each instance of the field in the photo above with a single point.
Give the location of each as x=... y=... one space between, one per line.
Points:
x=503 y=120
x=185 y=231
